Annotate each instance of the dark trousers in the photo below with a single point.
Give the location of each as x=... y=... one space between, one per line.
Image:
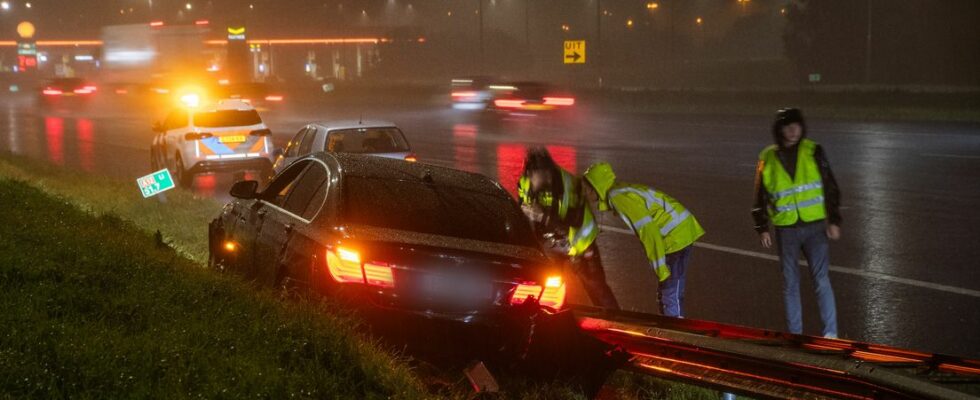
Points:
x=670 y=292
x=590 y=272
x=812 y=240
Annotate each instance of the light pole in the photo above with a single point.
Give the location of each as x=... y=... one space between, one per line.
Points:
x=482 y=50
x=598 y=40
x=867 y=57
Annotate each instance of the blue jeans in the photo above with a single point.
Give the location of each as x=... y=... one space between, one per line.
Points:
x=670 y=293
x=812 y=240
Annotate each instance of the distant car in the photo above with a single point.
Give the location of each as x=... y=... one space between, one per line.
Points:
x=225 y=137
x=406 y=237
x=530 y=97
x=65 y=88
x=472 y=92
x=258 y=94
x=379 y=138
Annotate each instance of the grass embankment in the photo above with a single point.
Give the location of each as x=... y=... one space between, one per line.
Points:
x=91 y=307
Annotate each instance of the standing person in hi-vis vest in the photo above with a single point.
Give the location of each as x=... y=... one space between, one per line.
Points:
x=796 y=192
x=552 y=198
x=666 y=229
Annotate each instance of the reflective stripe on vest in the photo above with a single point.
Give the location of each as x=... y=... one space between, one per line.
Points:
x=676 y=218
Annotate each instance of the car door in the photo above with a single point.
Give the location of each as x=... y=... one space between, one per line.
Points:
x=303 y=249
x=283 y=221
x=252 y=221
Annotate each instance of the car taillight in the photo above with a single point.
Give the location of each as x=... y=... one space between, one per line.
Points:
x=379 y=275
x=524 y=291
x=559 y=101
x=411 y=158
x=345 y=266
x=553 y=296
x=273 y=98
x=197 y=136
x=51 y=92
x=457 y=95
x=506 y=103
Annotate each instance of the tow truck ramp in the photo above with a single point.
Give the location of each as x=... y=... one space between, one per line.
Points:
x=769 y=364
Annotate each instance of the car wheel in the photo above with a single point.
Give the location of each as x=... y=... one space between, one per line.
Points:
x=183 y=177
x=155 y=158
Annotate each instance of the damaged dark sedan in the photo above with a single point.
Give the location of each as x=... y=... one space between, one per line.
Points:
x=406 y=237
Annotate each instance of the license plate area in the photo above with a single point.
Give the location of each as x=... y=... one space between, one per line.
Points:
x=232 y=139
x=456 y=289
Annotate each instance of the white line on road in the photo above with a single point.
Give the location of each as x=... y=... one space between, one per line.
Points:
x=964 y=156
x=835 y=268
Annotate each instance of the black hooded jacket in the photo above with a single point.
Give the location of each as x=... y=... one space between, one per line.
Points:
x=787 y=157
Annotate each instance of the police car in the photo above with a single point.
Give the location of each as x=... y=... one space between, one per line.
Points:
x=228 y=136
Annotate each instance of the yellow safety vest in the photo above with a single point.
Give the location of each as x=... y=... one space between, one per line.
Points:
x=579 y=237
x=793 y=198
x=662 y=224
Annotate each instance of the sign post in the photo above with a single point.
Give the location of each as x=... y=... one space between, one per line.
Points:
x=574 y=52
x=155 y=183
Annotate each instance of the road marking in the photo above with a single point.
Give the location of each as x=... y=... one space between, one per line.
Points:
x=964 y=156
x=835 y=268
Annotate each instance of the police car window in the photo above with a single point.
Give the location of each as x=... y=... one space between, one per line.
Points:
x=294 y=144
x=305 y=190
x=307 y=144
x=220 y=118
x=279 y=188
x=367 y=140
x=176 y=120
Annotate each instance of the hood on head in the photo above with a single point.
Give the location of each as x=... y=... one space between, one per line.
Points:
x=601 y=177
x=785 y=117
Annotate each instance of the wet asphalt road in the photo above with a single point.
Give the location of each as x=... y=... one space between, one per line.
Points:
x=904 y=272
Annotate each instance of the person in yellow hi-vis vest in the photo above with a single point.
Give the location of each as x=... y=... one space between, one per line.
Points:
x=797 y=193
x=666 y=229
x=552 y=198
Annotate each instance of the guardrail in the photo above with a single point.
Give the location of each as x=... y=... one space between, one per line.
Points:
x=770 y=364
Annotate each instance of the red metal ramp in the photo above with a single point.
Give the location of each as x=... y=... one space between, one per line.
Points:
x=770 y=364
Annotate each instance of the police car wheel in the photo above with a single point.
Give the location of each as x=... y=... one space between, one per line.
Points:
x=184 y=178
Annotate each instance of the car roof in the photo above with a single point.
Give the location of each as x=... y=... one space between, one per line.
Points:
x=370 y=166
x=354 y=124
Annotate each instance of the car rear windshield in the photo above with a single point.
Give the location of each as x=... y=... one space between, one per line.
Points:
x=434 y=209
x=366 y=140
x=221 y=118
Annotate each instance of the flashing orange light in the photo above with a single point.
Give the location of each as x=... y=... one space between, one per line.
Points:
x=230 y=246
x=273 y=97
x=559 y=101
x=525 y=291
x=379 y=275
x=505 y=103
x=156 y=24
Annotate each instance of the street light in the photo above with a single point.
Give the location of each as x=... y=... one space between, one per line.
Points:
x=653 y=6
x=5 y=5
x=188 y=6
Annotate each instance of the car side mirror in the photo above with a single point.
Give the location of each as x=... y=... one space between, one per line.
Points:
x=157 y=127
x=244 y=189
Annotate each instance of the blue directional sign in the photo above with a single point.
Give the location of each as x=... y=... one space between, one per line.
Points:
x=155 y=183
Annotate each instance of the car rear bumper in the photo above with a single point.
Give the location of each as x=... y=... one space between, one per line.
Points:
x=232 y=164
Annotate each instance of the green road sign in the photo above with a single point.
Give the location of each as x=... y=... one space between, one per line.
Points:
x=155 y=183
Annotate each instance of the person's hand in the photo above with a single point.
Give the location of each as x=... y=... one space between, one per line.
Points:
x=766 y=239
x=833 y=232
